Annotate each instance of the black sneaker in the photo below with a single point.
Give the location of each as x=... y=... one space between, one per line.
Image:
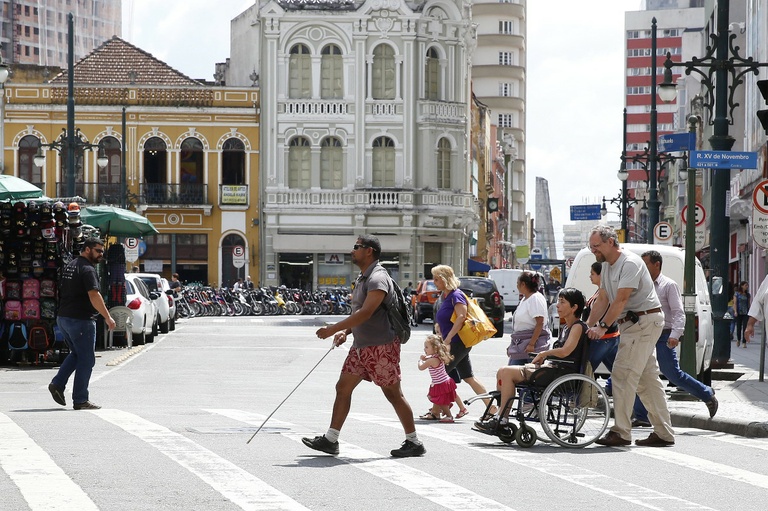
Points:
x=712 y=406
x=86 y=406
x=57 y=394
x=489 y=427
x=409 y=450
x=322 y=444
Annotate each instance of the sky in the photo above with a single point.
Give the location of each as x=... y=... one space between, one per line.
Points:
x=574 y=84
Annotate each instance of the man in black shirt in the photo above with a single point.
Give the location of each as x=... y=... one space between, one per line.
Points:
x=79 y=301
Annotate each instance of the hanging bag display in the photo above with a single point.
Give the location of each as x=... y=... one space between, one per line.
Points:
x=477 y=327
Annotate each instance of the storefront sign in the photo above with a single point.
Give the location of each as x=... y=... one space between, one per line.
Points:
x=334 y=259
x=234 y=194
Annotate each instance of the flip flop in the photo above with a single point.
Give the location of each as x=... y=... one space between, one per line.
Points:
x=462 y=413
x=429 y=416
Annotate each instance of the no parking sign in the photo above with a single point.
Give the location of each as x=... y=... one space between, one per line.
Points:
x=238 y=256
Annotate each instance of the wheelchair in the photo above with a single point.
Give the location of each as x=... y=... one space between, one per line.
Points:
x=573 y=411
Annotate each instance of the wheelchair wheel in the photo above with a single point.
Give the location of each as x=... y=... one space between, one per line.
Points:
x=507 y=433
x=525 y=436
x=574 y=411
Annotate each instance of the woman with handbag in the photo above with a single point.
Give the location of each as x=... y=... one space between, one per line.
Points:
x=530 y=333
x=460 y=368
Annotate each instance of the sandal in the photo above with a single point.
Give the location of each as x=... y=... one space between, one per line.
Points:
x=429 y=416
x=447 y=420
x=462 y=413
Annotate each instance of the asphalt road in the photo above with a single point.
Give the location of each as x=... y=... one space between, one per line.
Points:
x=177 y=414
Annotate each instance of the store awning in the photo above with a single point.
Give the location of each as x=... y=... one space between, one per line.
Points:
x=477 y=267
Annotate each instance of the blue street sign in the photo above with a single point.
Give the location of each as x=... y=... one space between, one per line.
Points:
x=676 y=142
x=535 y=254
x=585 y=212
x=722 y=160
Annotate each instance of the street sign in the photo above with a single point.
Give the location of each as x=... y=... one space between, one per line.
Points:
x=722 y=160
x=522 y=251
x=760 y=214
x=536 y=254
x=585 y=212
x=699 y=213
x=569 y=262
x=131 y=249
x=676 y=142
x=662 y=233
x=238 y=256
x=700 y=234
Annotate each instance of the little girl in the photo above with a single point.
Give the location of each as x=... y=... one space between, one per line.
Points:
x=442 y=391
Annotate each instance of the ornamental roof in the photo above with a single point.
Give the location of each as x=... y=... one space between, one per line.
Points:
x=118 y=62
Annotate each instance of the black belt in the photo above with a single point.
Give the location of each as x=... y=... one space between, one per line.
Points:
x=641 y=313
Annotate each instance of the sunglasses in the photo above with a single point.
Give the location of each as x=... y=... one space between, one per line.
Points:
x=359 y=246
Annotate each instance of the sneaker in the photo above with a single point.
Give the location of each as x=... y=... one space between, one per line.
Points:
x=86 y=406
x=637 y=423
x=654 y=440
x=409 y=450
x=57 y=394
x=322 y=444
x=712 y=406
x=488 y=427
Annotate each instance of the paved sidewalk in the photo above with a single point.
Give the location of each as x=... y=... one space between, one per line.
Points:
x=743 y=398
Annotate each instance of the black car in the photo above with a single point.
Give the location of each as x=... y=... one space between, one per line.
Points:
x=488 y=297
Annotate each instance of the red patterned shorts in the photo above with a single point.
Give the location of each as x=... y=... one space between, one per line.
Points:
x=379 y=364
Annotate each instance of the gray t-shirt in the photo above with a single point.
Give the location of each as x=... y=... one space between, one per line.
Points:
x=377 y=330
x=629 y=271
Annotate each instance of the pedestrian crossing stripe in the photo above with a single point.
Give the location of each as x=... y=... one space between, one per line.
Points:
x=42 y=483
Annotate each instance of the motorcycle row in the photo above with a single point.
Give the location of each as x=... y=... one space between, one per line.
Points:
x=265 y=301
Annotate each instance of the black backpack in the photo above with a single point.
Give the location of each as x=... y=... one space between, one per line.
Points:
x=398 y=312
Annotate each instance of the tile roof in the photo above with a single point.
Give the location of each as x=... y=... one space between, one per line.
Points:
x=118 y=62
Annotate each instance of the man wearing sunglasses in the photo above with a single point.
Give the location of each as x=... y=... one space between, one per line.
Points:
x=374 y=354
x=79 y=301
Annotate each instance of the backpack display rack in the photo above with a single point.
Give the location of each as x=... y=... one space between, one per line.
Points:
x=37 y=237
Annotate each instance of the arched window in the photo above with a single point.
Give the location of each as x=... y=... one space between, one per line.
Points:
x=331 y=73
x=432 y=75
x=192 y=172
x=110 y=176
x=233 y=162
x=230 y=274
x=331 y=169
x=28 y=171
x=383 y=168
x=299 y=164
x=300 y=72
x=444 y=164
x=155 y=170
x=383 y=79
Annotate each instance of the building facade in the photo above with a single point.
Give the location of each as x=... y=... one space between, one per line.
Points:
x=187 y=158
x=368 y=107
x=35 y=31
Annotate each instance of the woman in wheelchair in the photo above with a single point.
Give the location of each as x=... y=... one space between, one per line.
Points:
x=565 y=357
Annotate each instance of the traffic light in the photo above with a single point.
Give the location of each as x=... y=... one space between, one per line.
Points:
x=763 y=114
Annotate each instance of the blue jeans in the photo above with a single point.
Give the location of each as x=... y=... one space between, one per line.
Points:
x=669 y=367
x=604 y=350
x=80 y=336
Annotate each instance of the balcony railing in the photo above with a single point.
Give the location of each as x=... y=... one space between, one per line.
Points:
x=314 y=107
x=178 y=193
x=383 y=198
x=94 y=193
x=442 y=111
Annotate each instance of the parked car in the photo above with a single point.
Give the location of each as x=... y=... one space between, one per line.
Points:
x=162 y=301
x=138 y=299
x=423 y=300
x=674 y=264
x=486 y=293
x=172 y=298
x=506 y=282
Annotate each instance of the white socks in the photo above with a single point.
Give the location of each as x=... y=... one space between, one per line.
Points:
x=332 y=435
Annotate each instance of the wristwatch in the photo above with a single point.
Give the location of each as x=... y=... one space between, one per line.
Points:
x=603 y=324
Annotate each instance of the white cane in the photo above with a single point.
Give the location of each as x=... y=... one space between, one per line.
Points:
x=289 y=395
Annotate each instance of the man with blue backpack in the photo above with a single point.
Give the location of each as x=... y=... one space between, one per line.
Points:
x=79 y=301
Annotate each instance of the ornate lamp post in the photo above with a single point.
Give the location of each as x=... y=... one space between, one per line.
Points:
x=5 y=72
x=717 y=65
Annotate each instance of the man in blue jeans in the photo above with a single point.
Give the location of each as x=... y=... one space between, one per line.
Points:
x=674 y=325
x=79 y=300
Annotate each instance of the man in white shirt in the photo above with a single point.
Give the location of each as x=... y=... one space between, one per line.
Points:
x=758 y=310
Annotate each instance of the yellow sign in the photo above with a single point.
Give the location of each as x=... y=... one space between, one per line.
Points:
x=555 y=273
x=622 y=234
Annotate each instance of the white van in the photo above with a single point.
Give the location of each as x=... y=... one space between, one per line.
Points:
x=673 y=267
x=506 y=281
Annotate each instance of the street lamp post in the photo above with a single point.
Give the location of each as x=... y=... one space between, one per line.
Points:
x=720 y=94
x=70 y=140
x=653 y=192
x=624 y=202
x=4 y=74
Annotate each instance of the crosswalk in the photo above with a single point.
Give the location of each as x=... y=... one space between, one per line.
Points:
x=25 y=463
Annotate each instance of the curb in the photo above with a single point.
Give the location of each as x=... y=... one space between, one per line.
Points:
x=751 y=429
